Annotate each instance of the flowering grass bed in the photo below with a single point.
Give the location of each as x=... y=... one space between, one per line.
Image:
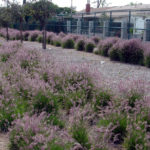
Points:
x=46 y=105
x=131 y=51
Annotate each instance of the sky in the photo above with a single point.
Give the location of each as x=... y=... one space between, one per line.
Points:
x=80 y=4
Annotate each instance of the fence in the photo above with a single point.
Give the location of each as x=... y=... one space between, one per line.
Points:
x=125 y=24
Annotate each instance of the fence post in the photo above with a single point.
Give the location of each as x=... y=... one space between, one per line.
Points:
x=106 y=29
x=91 y=26
x=68 y=26
x=129 y=24
x=147 y=30
x=79 y=26
x=110 y=23
x=82 y=24
x=94 y=23
x=124 y=27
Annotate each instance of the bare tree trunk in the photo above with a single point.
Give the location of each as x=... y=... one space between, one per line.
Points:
x=7 y=35
x=21 y=35
x=44 y=37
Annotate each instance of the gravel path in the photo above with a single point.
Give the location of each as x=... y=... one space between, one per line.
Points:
x=112 y=71
x=4 y=142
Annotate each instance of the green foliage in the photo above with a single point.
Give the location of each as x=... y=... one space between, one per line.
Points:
x=133 y=97
x=80 y=134
x=43 y=9
x=80 y=45
x=89 y=47
x=69 y=43
x=39 y=38
x=102 y=99
x=147 y=61
x=54 y=120
x=33 y=37
x=5 y=16
x=4 y=57
x=136 y=140
x=119 y=126
x=57 y=43
x=114 y=54
x=24 y=64
x=104 y=49
x=48 y=103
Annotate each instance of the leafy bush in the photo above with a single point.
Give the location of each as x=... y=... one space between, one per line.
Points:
x=80 y=45
x=114 y=52
x=147 y=61
x=57 y=43
x=96 y=39
x=132 y=52
x=68 y=43
x=33 y=35
x=50 y=36
x=89 y=47
x=26 y=35
x=39 y=38
x=105 y=45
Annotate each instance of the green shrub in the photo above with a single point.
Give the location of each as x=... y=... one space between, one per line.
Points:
x=57 y=43
x=68 y=43
x=24 y=64
x=89 y=47
x=147 y=61
x=133 y=97
x=106 y=45
x=118 y=126
x=54 y=120
x=5 y=57
x=114 y=54
x=102 y=99
x=80 y=134
x=46 y=102
x=40 y=38
x=136 y=139
x=132 y=52
x=18 y=36
x=33 y=37
x=80 y=45
x=26 y=36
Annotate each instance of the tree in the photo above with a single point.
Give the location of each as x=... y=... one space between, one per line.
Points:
x=5 y=18
x=41 y=11
x=17 y=12
x=100 y=3
x=65 y=10
x=134 y=4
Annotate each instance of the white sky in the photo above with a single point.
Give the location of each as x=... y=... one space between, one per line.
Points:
x=80 y=4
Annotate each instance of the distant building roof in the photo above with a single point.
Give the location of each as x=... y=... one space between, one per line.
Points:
x=120 y=11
